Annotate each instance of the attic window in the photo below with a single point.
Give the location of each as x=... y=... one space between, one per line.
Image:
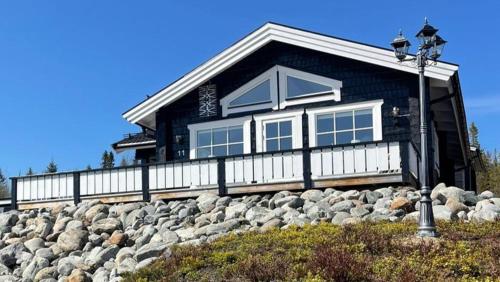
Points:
x=293 y=86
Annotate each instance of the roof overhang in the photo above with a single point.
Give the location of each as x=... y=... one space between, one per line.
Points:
x=144 y=113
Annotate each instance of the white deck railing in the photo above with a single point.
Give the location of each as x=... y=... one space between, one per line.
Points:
x=231 y=171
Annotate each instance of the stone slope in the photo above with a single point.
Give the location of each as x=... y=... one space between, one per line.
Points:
x=98 y=242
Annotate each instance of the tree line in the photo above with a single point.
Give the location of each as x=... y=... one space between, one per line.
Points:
x=489 y=178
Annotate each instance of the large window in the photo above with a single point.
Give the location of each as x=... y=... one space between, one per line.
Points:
x=344 y=127
x=346 y=124
x=278 y=135
x=219 y=142
x=293 y=86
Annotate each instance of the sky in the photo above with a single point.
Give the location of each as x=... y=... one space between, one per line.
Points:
x=69 y=69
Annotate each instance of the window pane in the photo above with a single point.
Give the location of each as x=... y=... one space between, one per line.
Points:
x=286 y=143
x=272 y=145
x=324 y=123
x=272 y=130
x=364 y=135
x=363 y=118
x=298 y=87
x=325 y=139
x=220 y=150
x=204 y=138
x=343 y=120
x=286 y=128
x=236 y=149
x=235 y=134
x=219 y=136
x=344 y=137
x=258 y=94
x=203 y=152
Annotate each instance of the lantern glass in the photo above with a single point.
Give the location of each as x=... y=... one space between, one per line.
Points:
x=437 y=48
x=400 y=45
x=426 y=35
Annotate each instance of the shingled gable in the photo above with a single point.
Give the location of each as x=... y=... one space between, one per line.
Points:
x=144 y=113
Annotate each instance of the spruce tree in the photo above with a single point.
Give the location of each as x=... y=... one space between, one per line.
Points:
x=88 y=167
x=4 y=189
x=104 y=159
x=111 y=160
x=51 y=167
x=30 y=171
x=107 y=160
x=124 y=162
x=474 y=135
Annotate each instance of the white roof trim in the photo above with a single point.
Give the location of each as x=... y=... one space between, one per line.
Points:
x=274 y=32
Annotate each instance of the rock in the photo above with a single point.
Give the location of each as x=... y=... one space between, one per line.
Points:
x=413 y=216
x=118 y=210
x=256 y=213
x=462 y=215
x=436 y=193
x=486 y=214
x=118 y=238
x=401 y=203
x=46 y=273
x=43 y=227
x=34 y=244
x=495 y=201
x=453 y=193
x=169 y=237
x=386 y=192
x=350 y=195
x=10 y=254
x=291 y=201
x=4 y=270
x=127 y=265
x=46 y=253
x=372 y=197
x=455 y=206
x=72 y=240
x=312 y=195
x=66 y=264
x=443 y=213
x=319 y=210
x=222 y=227
x=34 y=266
x=186 y=234
x=77 y=275
x=359 y=212
x=487 y=194
x=7 y=220
x=223 y=202
x=236 y=210
x=470 y=198
x=207 y=202
x=273 y=223
x=339 y=217
x=94 y=210
x=151 y=250
x=104 y=255
x=351 y=220
x=101 y=275
x=107 y=225
x=382 y=203
x=145 y=263
x=8 y=278
x=343 y=206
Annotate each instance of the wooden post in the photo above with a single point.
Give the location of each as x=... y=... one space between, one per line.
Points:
x=146 y=197
x=306 y=159
x=76 y=188
x=13 y=194
x=221 y=176
x=404 y=148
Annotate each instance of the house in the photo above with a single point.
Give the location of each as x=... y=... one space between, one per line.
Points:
x=284 y=108
x=282 y=88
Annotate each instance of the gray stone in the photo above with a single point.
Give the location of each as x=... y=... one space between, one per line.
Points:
x=343 y=206
x=34 y=266
x=11 y=253
x=118 y=210
x=8 y=278
x=107 y=225
x=386 y=192
x=222 y=227
x=101 y=275
x=150 y=250
x=127 y=265
x=207 y=202
x=359 y=212
x=105 y=255
x=4 y=270
x=443 y=213
x=453 y=193
x=486 y=214
x=236 y=210
x=46 y=273
x=34 y=244
x=43 y=227
x=7 y=220
x=145 y=262
x=273 y=223
x=350 y=195
x=186 y=234
x=66 y=264
x=223 y=202
x=487 y=194
x=312 y=195
x=436 y=193
x=74 y=224
x=455 y=206
x=382 y=203
x=169 y=237
x=256 y=213
x=45 y=253
x=470 y=198
x=94 y=210
x=412 y=217
x=124 y=253
x=72 y=240
x=372 y=197
x=339 y=217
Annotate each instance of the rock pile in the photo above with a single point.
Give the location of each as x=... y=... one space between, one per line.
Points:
x=98 y=242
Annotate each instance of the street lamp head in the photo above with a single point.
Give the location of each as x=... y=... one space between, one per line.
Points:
x=438 y=47
x=400 y=45
x=426 y=35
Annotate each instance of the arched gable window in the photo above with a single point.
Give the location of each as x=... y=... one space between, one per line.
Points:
x=291 y=86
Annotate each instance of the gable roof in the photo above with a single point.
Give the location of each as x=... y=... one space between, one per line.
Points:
x=144 y=112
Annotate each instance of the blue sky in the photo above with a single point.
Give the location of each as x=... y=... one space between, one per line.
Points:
x=69 y=69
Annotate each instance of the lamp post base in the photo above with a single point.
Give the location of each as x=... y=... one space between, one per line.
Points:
x=427 y=232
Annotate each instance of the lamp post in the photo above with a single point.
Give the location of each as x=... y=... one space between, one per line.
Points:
x=429 y=50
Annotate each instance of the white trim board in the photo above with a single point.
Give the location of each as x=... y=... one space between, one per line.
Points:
x=143 y=112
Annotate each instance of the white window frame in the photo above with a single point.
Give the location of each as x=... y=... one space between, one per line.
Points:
x=277 y=76
x=375 y=105
x=284 y=72
x=273 y=103
x=262 y=119
x=224 y=123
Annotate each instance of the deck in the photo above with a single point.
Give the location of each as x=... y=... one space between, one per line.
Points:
x=372 y=163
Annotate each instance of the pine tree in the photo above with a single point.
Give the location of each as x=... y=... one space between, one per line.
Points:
x=474 y=135
x=104 y=159
x=4 y=189
x=107 y=160
x=51 y=167
x=111 y=160
x=30 y=171
x=88 y=167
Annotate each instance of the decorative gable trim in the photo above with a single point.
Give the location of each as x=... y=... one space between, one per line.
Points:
x=144 y=112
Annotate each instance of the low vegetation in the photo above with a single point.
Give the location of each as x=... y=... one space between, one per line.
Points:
x=361 y=252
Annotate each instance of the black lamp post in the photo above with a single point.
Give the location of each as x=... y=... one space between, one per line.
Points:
x=429 y=50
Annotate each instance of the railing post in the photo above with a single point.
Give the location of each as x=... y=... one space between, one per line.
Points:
x=13 y=194
x=146 y=197
x=221 y=176
x=76 y=188
x=306 y=159
x=405 y=160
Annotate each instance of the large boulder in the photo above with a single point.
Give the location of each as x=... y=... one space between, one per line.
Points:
x=43 y=226
x=34 y=244
x=443 y=213
x=153 y=249
x=10 y=254
x=256 y=213
x=72 y=240
x=206 y=202
x=34 y=267
x=401 y=203
x=313 y=195
x=344 y=206
x=94 y=210
x=106 y=225
x=487 y=194
x=235 y=211
x=7 y=220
